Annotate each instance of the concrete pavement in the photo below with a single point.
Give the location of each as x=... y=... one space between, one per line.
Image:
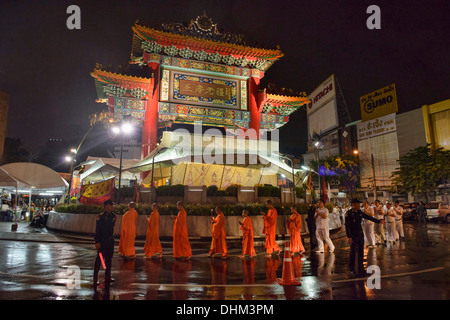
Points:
x=35 y=265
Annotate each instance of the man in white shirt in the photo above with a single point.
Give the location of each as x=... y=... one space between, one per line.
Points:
x=323 y=228
x=379 y=227
x=390 y=225
x=399 y=220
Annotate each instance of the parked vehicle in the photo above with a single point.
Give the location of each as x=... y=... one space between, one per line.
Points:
x=410 y=212
x=444 y=211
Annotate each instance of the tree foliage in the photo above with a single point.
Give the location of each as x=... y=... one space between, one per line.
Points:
x=340 y=170
x=422 y=170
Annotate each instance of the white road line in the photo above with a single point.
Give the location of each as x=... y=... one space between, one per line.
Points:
x=391 y=275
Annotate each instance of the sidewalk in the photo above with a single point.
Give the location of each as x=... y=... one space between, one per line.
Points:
x=26 y=233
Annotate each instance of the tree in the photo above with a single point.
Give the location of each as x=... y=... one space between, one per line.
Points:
x=345 y=169
x=422 y=170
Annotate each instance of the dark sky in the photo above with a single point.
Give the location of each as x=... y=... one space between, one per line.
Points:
x=45 y=67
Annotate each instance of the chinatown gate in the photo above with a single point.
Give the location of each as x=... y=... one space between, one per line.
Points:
x=193 y=73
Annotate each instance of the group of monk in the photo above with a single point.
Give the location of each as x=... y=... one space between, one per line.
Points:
x=181 y=246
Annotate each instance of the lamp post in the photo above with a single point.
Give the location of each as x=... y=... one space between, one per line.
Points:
x=71 y=159
x=293 y=174
x=372 y=164
x=124 y=128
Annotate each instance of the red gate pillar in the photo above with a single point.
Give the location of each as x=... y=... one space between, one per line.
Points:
x=150 y=128
x=255 y=115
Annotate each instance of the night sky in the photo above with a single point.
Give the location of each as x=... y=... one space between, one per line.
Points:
x=46 y=68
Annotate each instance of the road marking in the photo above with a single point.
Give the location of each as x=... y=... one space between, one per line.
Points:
x=390 y=275
x=167 y=286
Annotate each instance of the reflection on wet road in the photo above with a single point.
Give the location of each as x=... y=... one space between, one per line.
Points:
x=416 y=268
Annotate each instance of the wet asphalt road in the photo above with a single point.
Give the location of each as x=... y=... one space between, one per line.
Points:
x=37 y=265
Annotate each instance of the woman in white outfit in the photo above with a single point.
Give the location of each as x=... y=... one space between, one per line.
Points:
x=368 y=226
x=322 y=228
x=390 y=224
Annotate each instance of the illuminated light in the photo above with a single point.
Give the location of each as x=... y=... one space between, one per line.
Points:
x=127 y=127
x=103 y=261
x=355 y=152
x=68 y=158
x=115 y=130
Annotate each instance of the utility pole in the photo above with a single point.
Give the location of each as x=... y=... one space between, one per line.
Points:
x=373 y=178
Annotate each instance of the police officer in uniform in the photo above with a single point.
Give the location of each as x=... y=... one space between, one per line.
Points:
x=104 y=240
x=355 y=235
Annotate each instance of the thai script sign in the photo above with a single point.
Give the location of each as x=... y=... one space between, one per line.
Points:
x=376 y=127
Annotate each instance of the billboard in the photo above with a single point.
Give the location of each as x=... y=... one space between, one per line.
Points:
x=379 y=103
x=376 y=127
x=322 y=110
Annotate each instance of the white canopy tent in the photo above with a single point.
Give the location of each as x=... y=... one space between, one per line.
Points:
x=29 y=178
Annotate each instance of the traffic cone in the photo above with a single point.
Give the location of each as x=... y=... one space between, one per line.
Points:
x=288 y=277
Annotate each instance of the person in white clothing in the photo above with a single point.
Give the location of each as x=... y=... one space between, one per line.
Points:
x=379 y=214
x=322 y=228
x=390 y=225
x=368 y=226
x=399 y=220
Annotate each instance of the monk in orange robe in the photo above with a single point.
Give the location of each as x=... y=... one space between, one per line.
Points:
x=152 y=244
x=181 y=245
x=128 y=232
x=293 y=224
x=219 y=235
x=270 y=226
x=248 y=249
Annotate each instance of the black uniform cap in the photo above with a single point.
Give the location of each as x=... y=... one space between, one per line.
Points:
x=109 y=201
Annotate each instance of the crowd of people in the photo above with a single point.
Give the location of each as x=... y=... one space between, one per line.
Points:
x=104 y=235
x=24 y=212
x=372 y=224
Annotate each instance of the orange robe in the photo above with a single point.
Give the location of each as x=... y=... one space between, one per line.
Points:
x=294 y=225
x=181 y=245
x=128 y=233
x=219 y=236
x=247 y=237
x=152 y=244
x=270 y=227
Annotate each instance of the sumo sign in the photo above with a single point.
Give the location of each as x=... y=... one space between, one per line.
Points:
x=379 y=103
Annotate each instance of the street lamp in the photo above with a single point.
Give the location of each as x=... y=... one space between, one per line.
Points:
x=124 y=128
x=72 y=160
x=293 y=174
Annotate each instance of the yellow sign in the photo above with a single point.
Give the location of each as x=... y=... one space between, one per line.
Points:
x=379 y=103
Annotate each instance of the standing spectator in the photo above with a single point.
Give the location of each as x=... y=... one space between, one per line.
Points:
x=379 y=214
x=323 y=228
x=104 y=240
x=369 y=232
x=312 y=225
x=355 y=236
x=422 y=213
x=399 y=220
